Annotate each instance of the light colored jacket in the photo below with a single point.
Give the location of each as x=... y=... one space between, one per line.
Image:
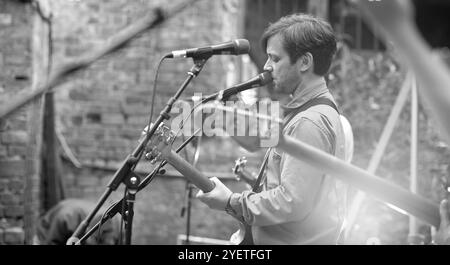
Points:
x=299 y=204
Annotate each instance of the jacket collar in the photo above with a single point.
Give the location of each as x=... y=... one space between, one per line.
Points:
x=304 y=93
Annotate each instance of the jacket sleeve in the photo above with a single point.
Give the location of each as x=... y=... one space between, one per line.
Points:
x=293 y=197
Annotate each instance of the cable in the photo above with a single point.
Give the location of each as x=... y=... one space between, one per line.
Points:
x=152 y=104
x=190 y=113
x=99 y=229
x=209 y=98
x=154 y=91
x=122 y=213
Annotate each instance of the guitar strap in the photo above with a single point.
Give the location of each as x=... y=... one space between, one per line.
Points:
x=289 y=116
x=315 y=101
x=257 y=185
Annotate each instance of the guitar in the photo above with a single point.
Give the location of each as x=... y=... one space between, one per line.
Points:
x=160 y=147
x=241 y=173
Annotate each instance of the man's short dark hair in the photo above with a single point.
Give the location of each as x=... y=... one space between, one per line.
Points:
x=303 y=33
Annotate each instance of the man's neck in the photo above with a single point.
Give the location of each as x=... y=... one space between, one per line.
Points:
x=306 y=91
x=308 y=83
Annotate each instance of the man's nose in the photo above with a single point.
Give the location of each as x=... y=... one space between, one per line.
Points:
x=268 y=68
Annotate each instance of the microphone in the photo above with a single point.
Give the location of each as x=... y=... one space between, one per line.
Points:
x=261 y=79
x=235 y=47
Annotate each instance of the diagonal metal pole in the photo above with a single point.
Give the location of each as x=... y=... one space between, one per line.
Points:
x=379 y=151
x=422 y=208
x=112 y=44
x=414 y=236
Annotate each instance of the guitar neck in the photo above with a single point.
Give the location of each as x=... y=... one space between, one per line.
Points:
x=190 y=172
x=420 y=207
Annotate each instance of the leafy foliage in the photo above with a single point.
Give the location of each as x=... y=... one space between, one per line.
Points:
x=366 y=85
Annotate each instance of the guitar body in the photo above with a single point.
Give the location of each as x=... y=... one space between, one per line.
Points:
x=244 y=235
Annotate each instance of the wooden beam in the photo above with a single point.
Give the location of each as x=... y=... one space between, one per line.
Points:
x=112 y=44
x=51 y=181
x=40 y=63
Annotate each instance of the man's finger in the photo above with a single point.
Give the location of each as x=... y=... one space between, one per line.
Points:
x=199 y=194
x=215 y=180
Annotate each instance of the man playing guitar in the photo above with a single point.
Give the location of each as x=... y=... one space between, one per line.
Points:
x=298 y=203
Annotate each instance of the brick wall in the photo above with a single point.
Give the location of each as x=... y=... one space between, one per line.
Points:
x=102 y=110
x=15 y=159
x=110 y=102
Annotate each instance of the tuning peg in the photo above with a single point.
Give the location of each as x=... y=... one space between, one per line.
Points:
x=168 y=140
x=148 y=156
x=156 y=158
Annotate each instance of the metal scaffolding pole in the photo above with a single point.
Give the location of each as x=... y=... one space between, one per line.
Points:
x=414 y=237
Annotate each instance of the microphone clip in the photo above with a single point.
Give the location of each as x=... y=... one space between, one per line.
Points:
x=199 y=62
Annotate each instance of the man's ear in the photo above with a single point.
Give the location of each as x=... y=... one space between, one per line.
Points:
x=305 y=62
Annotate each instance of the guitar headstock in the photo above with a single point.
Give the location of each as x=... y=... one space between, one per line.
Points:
x=160 y=144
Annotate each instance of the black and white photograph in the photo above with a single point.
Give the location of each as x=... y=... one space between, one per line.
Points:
x=224 y=128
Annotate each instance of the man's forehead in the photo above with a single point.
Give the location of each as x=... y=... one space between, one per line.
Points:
x=275 y=45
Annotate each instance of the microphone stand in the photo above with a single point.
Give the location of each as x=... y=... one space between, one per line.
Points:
x=116 y=208
x=124 y=173
x=189 y=187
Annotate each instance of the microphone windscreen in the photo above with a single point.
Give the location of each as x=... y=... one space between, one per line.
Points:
x=242 y=46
